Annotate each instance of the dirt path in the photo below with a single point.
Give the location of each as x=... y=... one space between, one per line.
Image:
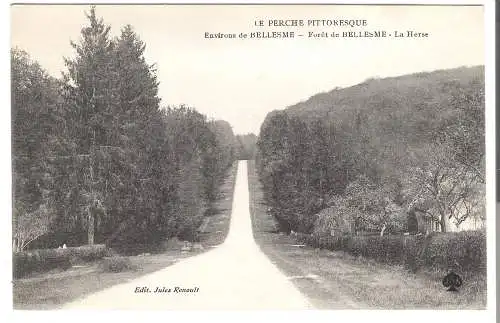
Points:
x=235 y=275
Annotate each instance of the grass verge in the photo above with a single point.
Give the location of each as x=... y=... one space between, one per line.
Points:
x=337 y=280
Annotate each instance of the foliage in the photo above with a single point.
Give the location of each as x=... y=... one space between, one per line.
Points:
x=375 y=205
x=34 y=118
x=117 y=264
x=95 y=152
x=372 y=152
x=452 y=191
x=287 y=173
x=460 y=251
x=463 y=252
x=335 y=220
x=246 y=146
x=46 y=259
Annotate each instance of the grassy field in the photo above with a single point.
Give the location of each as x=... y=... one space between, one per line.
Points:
x=51 y=290
x=336 y=280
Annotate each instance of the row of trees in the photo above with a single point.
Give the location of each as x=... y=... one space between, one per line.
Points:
x=373 y=162
x=246 y=146
x=95 y=157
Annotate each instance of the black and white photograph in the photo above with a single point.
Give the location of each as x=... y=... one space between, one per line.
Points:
x=250 y=157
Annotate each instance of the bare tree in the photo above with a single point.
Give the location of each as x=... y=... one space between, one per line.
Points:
x=29 y=226
x=450 y=189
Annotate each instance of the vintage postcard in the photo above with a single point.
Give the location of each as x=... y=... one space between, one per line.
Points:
x=252 y=157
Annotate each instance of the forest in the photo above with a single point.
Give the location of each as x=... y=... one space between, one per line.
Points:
x=368 y=158
x=97 y=159
x=245 y=146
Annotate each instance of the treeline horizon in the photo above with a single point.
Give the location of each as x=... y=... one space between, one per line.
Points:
x=367 y=158
x=96 y=159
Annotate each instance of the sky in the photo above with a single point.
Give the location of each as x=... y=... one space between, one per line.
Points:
x=241 y=80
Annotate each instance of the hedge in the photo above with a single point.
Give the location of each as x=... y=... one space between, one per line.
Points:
x=465 y=250
x=46 y=259
x=461 y=251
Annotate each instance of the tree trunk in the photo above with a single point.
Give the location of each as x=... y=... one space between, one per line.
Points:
x=442 y=223
x=383 y=229
x=90 y=227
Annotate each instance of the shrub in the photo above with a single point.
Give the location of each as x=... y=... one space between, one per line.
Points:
x=117 y=264
x=88 y=253
x=47 y=259
x=39 y=261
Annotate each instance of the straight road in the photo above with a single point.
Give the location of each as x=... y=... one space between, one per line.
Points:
x=235 y=275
